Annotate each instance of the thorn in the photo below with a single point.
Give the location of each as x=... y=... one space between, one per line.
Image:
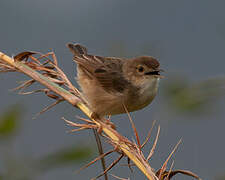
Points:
x=154 y=145
x=119 y=177
x=84 y=119
x=149 y=134
x=163 y=168
x=87 y=126
x=48 y=107
x=110 y=167
x=31 y=92
x=185 y=172
x=24 y=85
x=54 y=59
x=171 y=167
x=133 y=127
x=96 y=159
x=76 y=130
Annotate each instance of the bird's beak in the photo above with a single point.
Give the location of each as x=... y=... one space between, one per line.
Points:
x=155 y=73
x=160 y=76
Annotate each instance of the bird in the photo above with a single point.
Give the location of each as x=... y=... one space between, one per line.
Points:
x=112 y=85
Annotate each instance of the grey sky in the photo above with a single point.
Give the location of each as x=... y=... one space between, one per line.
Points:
x=187 y=36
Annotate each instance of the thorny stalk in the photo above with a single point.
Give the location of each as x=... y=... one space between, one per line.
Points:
x=44 y=70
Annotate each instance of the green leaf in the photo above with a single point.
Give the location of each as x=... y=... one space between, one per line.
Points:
x=65 y=157
x=9 y=121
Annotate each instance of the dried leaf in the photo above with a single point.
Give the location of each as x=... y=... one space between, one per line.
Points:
x=24 y=55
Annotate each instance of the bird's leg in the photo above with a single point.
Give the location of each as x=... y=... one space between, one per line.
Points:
x=108 y=122
x=96 y=117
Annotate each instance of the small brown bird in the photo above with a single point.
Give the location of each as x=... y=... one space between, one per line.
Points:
x=108 y=83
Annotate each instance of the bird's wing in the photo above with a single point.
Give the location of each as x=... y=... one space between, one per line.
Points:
x=106 y=71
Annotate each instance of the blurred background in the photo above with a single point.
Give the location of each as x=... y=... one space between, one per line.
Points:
x=188 y=38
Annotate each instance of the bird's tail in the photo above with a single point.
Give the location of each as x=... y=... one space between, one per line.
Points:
x=77 y=49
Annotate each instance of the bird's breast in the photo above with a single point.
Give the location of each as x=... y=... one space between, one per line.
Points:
x=143 y=96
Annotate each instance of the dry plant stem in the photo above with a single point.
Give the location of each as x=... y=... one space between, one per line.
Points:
x=122 y=143
x=41 y=79
x=99 y=143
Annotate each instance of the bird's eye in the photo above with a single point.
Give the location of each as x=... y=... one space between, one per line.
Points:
x=140 y=69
